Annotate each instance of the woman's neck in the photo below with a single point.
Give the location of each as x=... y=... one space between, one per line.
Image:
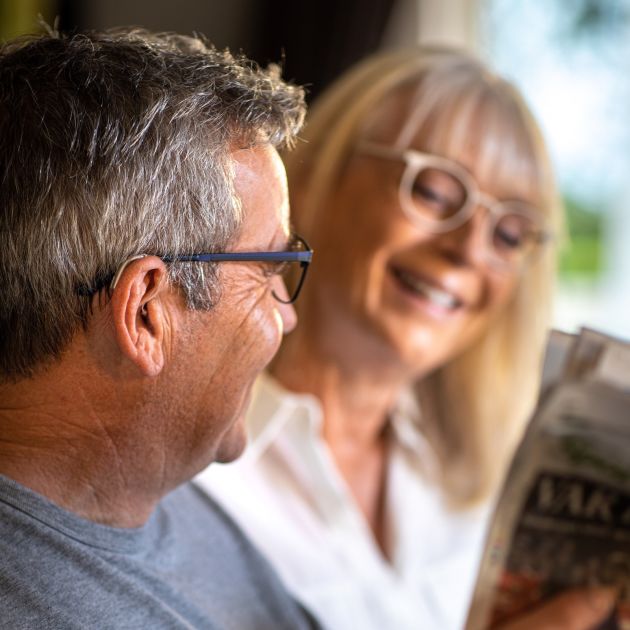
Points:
x=356 y=402
x=356 y=399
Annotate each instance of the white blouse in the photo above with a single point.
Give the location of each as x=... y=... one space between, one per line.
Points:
x=288 y=496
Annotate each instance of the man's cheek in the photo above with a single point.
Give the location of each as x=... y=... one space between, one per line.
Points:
x=266 y=334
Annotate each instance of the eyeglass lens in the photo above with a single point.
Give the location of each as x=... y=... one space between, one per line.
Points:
x=437 y=196
x=293 y=274
x=514 y=236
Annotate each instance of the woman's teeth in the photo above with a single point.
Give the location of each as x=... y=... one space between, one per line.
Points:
x=437 y=296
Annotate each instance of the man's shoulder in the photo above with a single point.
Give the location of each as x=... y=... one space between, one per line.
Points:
x=190 y=566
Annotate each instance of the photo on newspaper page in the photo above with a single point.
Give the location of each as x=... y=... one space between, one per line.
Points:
x=563 y=516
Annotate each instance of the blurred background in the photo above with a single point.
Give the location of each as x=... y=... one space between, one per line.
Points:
x=571 y=59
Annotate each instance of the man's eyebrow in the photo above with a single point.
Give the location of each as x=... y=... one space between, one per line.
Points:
x=288 y=242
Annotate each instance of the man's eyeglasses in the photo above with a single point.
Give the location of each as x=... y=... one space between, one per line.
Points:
x=292 y=265
x=439 y=195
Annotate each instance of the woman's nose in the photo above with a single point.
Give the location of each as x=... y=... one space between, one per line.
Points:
x=467 y=243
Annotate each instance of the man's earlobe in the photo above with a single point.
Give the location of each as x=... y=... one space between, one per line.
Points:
x=139 y=314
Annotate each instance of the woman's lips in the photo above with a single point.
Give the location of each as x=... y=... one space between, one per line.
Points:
x=429 y=291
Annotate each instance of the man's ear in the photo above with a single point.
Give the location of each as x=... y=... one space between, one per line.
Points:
x=140 y=313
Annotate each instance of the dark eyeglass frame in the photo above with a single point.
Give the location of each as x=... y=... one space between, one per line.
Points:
x=303 y=257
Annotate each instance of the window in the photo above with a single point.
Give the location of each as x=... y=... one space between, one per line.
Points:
x=572 y=62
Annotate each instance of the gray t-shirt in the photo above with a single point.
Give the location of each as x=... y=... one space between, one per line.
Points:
x=188 y=567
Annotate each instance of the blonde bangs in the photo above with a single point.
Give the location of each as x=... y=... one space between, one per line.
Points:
x=469 y=114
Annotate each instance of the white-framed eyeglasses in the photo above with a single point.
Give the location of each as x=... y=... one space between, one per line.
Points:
x=439 y=195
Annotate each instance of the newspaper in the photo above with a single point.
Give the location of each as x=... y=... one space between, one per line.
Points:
x=563 y=517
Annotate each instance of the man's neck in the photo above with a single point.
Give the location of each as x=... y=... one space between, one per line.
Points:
x=53 y=441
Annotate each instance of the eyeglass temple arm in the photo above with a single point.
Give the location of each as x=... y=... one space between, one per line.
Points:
x=243 y=257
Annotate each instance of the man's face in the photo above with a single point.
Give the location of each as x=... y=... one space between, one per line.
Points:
x=222 y=351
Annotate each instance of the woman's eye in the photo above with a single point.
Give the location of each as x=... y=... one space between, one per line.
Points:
x=519 y=227
x=426 y=193
x=431 y=201
x=509 y=240
x=438 y=192
x=513 y=232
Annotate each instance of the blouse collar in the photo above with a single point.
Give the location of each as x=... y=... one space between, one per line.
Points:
x=275 y=410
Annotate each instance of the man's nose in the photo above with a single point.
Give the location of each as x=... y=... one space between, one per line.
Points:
x=288 y=316
x=287 y=312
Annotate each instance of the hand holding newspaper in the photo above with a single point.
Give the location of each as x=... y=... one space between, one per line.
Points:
x=563 y=516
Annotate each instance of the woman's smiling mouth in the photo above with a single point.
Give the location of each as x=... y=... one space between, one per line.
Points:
x=436 y=296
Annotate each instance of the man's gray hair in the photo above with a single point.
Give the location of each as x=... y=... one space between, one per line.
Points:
x=114 y=144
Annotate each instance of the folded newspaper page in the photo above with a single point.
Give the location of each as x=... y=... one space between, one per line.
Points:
x=563 y=517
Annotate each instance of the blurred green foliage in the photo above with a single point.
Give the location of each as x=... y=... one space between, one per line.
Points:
x=582 y=256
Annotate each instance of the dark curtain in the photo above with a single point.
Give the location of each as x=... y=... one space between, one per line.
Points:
x=69 y=15
x=316 y=40
x=319 y=39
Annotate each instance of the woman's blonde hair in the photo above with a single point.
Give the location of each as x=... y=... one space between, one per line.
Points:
x=474 y=407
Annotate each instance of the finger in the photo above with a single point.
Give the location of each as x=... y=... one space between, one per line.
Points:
x=579 y=609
